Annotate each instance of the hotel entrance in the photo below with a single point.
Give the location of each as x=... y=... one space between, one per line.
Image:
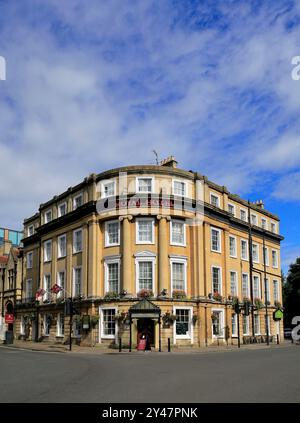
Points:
x=147 y=315
x=145 y=326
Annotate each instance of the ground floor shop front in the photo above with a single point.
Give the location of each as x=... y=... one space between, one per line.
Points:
x=179 y=323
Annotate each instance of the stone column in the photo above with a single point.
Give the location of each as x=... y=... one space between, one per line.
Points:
x=126 y=254
x=163 y=262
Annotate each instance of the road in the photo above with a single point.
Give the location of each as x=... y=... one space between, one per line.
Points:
x=260 y=375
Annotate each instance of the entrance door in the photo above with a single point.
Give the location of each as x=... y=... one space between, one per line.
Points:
x=146 y=325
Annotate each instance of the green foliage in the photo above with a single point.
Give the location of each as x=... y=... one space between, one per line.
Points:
x=291 y=293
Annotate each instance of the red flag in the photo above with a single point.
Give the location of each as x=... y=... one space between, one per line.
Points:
x=56 y=289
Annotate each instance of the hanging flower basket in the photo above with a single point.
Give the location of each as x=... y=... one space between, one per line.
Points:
x=277 y=304
x=169 y=318
x=235 y=300
x=120 y=317
x=94 y=320
x=195 y=318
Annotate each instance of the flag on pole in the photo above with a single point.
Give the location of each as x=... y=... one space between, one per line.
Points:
x=56 y=289
x=39 y=293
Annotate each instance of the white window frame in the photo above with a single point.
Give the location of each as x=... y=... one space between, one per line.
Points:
x=47 y=294
x=190 y=334
x=267 y=256
x=259 y=328
x=236 y=283
x=104 y=184
x=235 y=316
x=44 y=325
x=181 y=182
x=108 y=261
x=59 y=211
x=74 y=232
x=220 y=240
x=73 y=282
x=59 y=253
x=62 y=292
x=212 y=194
x=80 y=195
x=256 y=219
x=221 y=311
x=246 y=215
x=142 y=259
x=248 y=325
x=29 y=229
x=137 y=184
x=29 y=260
x=59 y=333
x=234 y=208
x=247 y=250
x=46 y=259
x=22 y=326
x=181 y=261
x=46 y=220
x=101 y=329
x=248 y=285
x=271 y=224
x=258 y=252
x=276 y=265
x=212 y=282
x=172 y=242
x=266 y=224
x=278 y=290
x=259 y=288
x=235 y=244
x=138 y=220
x=107 y=243
x=268 y=291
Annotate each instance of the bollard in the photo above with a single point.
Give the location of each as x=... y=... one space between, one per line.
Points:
x=120 y=344
x=277 y=339
x=169 y=345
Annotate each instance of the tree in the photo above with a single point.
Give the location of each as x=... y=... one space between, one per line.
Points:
x=291 y=293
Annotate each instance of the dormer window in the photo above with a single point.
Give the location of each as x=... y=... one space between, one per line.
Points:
x=214 y=200
x=30 y=230
x=77 y=201
x=179 y=188
x=108 y=189
x=48 y=216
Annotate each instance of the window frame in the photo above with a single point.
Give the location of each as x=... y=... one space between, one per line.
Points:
x=73 y=246
x=29 y=280
x=248 y=285
x=172 y=242
x=212 y=194
x=246 y=215
x=247 y=249
x=138 y=260
x=259 y=326
x=258 y=252
x=47 y=294
x=106 y=182
x=47 y=260
x=234 y=208
x=212 y=228
x=190 y=334
x=266 y=256
x=137 y=184
x=181 y=182
x=107 y=243
x=73 y=281
x=74 y=200
x=107 y=261
x=137 y=221
x=221 y=312
x=278 y=291
x=236 y=283
x=234 y=334
x=263 y=219
x=235 y=244
x=220 y=282
x=59 y=254
x=259 y=287
x=101 y=325
x=256 y=219
x=46 y=220
x=28 y=230
x=277 y=261
x=178 y=261
x=58 y=281
x=59 y=332
x=64 y=203
x=29 y=263
x=275 y=227
x=248 y=325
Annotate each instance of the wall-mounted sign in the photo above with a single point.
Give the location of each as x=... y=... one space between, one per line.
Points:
x=278 y=314
x=85 y=322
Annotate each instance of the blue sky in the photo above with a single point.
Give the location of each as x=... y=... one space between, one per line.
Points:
x=97 y=84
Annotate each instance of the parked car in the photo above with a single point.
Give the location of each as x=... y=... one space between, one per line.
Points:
x=287 y=333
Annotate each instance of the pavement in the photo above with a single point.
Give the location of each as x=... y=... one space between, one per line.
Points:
x=100 y=349
x=252 y=374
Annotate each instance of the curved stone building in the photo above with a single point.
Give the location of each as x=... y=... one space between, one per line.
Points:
x=155 y=250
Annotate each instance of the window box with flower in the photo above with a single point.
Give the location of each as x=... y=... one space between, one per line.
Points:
x=217 y=296
x=145 y=293
x=179 y=294
x=258 y=303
